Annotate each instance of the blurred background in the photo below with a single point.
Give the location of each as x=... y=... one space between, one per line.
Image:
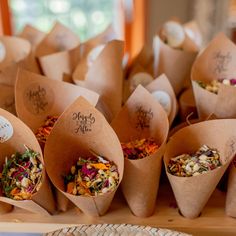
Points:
x=135 y=20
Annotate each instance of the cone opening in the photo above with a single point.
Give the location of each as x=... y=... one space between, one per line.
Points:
x=86 y=131
x=189 y=139
x=22 y=136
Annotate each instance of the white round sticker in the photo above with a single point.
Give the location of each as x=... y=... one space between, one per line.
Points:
x=164 y=99
x=174 y=33
x=140 y=78
x=6 y=130
x=2 y=51
x=94 y=53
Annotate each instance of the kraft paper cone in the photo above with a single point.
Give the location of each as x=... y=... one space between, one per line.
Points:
x=142 y=117
x=65 y=62
x=17 y=134
x=217 y=61
x=81 y=70
x=192 y=193
x=175 y=63
x=13 y=51
x=82 y=128
x=162 y=84
x=230 y=207
x=187 y=105
x=37 y=97
x=105 y=76
x=7 y=99
x=33 y=35
x=60 y=38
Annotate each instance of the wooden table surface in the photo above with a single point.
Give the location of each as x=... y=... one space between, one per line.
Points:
x=212 y=221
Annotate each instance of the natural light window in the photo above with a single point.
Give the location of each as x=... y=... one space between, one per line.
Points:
x=85 y=17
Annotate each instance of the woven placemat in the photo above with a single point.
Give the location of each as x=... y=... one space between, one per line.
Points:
x=114 y=230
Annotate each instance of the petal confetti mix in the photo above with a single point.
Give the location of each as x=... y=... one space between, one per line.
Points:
x=214 y=85
x=186 y=165
x=139 y=148
x=22 y=175
x=92 y=177
x=44 y=131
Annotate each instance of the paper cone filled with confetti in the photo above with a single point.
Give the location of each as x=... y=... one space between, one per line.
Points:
x=142 y=127
x=174 y=54
x=162 y=90
x=213 y=79
x=24 y=182
x=34 y=36
x=89 y=170
x=13 y=50
x=105 y=77
x=196 y=159
x=230 y=207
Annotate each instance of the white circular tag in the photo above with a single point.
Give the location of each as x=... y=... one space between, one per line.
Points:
x=2 y=51
x=140 y=78
x=94 y=53
x=174 y=33
x=164 y=99
x=6 y=130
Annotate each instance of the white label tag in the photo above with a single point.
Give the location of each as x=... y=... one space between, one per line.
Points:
x=2 y=52
x=6 y=130
x=164 y=99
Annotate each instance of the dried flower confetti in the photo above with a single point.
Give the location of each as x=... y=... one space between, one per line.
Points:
x=186 y=165
x=44 y=131
x=139 y=148
x=92 y=177
x=22 y=175
x=214 y=85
